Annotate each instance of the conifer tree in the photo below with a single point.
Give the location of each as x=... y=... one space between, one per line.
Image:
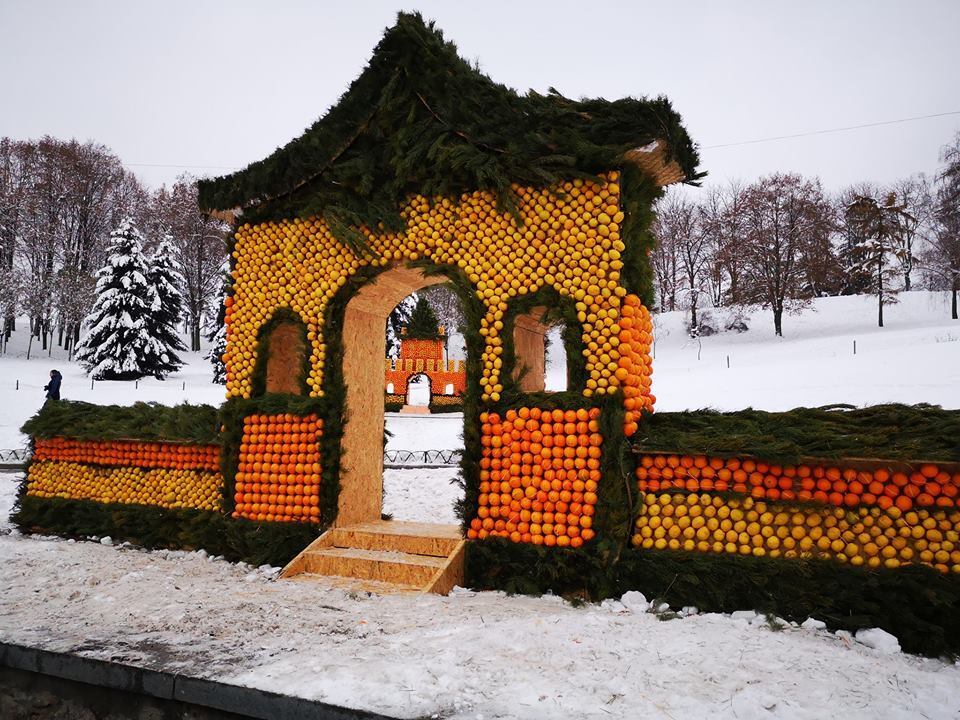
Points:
x=398 y=320
x=167 y=308
x=218 y=336
x=423 y=323
x=215 y=354
x=117 y=344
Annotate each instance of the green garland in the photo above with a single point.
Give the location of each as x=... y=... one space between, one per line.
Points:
x=915 y=603
x=420 y=119
x=907 y=433
x=638 y=193
x=180 y=529
x=559 y=309
x=149 y=422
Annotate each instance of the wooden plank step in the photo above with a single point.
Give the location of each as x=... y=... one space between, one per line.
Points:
x=358 y=585
x=412 y=538
x=382 y=565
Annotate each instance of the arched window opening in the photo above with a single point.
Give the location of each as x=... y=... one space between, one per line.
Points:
x=286 y=354
x=540 y=354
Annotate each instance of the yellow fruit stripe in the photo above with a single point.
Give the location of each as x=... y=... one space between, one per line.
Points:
x=703 y=522
x=163 y=487
x=568 y=238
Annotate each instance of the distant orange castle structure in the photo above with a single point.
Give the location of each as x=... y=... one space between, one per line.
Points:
x=425 y=357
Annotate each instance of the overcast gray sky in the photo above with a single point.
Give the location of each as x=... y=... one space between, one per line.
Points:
x=215 y=85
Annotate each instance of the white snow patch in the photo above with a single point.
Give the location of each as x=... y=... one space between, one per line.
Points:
x=635 y=601
x=878 y=639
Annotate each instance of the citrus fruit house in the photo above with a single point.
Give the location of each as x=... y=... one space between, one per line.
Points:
x=427 y=171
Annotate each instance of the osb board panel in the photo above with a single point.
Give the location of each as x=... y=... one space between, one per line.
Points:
x=298 y=564
x=359 y=586
x=361 y=469
x=406 y=543
x=371 y=565
x=451 y=574
x=285 y=359
x=652 y=158
x=407 y=527
x=529 y=342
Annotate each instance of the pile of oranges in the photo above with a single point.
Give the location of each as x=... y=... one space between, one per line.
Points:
x=861 y=536
x=635 y=368
x=129 y=453
x=538 y=476
x=162 y=487
x=168 y=475
x=278 y=477
x=924 y=485
x=567 y=237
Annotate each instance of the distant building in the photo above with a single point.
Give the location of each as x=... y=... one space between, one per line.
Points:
x=447 y=378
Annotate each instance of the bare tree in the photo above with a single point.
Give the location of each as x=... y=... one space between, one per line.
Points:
x=446 y=306
x=681 y=231
x=201 y=249
x=10 y=298
x=912 y=226
x=783 y=214
x=58 y=200
x=666 y=273
x=942 y=259
x=722 y=217
x=16 y=170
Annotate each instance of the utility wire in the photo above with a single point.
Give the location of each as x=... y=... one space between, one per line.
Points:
x=191 y=167
x=705 y=147
x=832 y=130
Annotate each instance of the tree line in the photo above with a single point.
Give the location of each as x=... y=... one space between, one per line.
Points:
x=777 y=242
x=781 y=241
x=59 y=202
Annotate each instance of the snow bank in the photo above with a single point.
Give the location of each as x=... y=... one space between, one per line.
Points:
x=468 y=655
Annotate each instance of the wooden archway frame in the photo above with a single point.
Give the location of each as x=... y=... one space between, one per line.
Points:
x=364 y=347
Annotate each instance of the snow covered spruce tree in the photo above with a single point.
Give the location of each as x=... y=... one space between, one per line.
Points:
x=167 y=309
x=215 y=354
x=218 y=335
x=117 y=344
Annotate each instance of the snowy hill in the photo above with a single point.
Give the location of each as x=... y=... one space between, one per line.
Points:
x=914 y=358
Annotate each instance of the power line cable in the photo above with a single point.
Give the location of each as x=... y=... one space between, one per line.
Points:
x=190 y=167
x=705 y=147
x=832 y=130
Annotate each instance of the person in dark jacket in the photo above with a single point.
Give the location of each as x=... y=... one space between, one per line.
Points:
x=53 y=387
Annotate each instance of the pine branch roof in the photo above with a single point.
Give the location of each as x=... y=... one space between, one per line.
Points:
x=420 y=119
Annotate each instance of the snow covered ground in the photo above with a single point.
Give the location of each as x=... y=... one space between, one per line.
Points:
x=421 y=494
x=915 y=358
x=473 y=655
x=469 y=655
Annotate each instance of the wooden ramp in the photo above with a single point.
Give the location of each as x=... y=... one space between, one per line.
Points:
x=385 y=556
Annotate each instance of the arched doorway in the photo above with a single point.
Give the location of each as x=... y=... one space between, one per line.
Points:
x=419 y=390
x=365 y=317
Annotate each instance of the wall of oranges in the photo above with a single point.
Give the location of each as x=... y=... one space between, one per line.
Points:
x=567 y=237
x=874 y=516
x=539 y=471
x=278 y=475
x=167 y=475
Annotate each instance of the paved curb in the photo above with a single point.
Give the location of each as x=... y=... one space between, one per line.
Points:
x=247 y=702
